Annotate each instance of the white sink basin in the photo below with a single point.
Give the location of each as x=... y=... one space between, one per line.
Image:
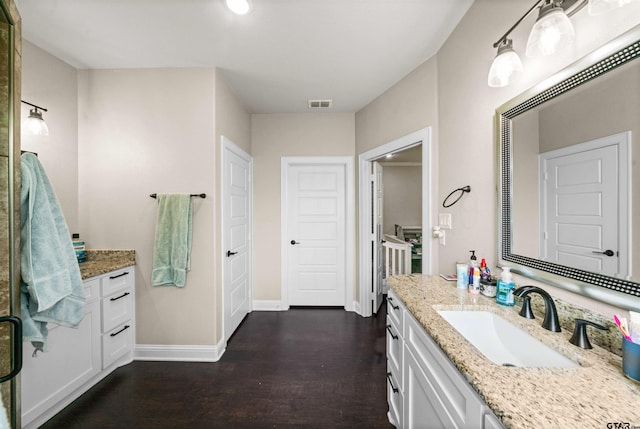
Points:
x=503 y=343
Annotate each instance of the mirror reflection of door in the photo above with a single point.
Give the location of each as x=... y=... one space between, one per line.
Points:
x=583 y=210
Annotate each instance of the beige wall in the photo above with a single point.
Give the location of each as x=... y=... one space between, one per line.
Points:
x=146 y=131
x=52 y=84
x=275 y=136
x=402 y=187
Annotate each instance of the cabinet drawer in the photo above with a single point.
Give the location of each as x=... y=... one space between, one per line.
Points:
x=394 y=350
x=116 y=343
x=395 y=400
x=117 y=281
x=117 y=308
x=395 y=310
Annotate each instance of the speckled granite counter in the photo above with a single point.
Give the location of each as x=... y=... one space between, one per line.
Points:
x=104 y=261
x=590 y=396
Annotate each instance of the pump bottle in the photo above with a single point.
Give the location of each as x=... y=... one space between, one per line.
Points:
x=504 y=295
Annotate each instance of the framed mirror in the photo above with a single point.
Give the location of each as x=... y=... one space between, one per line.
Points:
x=569 y=176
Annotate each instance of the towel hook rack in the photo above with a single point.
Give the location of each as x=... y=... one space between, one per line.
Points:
x=191 y=195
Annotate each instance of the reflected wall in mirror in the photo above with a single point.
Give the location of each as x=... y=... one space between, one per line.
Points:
x=568 y=168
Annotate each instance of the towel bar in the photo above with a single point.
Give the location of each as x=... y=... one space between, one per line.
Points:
x=192 y=195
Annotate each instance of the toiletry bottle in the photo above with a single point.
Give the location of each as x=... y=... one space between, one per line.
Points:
x=462 y=271
x=473 y=265
x=474 y=287
x=485 y=274
x=504 y=295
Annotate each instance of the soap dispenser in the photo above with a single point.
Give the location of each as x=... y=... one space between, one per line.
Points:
x=504 y=295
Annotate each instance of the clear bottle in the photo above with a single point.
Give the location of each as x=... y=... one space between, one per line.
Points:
x=504 y=294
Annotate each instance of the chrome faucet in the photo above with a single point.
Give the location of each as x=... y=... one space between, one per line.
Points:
x=550 y=321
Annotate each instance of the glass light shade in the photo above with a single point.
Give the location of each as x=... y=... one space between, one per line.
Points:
x=504 y=65
x=552 y=31
x=596 y=7
x=35 y=124
x=239 y=7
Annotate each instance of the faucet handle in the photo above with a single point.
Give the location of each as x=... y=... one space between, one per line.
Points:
x=526 y=311
x=579 y=337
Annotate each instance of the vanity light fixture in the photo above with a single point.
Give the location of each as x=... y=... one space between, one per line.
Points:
x=504 y=65
x=34 y=122
x=551 y=32
x=239 y=7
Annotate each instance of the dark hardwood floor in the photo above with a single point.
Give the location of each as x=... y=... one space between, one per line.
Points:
x=303 y=368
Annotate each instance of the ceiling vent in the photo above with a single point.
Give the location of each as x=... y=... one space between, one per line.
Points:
x=320 y=104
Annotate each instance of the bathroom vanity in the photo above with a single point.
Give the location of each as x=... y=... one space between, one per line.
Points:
x=436 y=375
x=77 y=359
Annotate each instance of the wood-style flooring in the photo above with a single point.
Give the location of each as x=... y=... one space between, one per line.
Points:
x=302 y=368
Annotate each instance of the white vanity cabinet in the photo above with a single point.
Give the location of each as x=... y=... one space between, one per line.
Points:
x=431 y=392
x=76 y=359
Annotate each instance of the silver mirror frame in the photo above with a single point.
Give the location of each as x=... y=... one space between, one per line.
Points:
x=619 y=292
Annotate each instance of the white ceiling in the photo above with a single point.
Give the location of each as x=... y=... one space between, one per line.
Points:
x=276 y=58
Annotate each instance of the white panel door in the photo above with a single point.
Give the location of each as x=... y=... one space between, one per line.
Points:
x=377 y=224
x=316 y=227
x=236 y=232
x=580 y=192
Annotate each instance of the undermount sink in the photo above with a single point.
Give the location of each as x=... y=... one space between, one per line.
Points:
x=502 y=342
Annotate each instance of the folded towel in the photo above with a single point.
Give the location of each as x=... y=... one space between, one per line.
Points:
x=51 y=287
x=172 y=249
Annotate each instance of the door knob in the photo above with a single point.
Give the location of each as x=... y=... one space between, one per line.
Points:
x=293 y=242
x=607 y=252
x=230 y=253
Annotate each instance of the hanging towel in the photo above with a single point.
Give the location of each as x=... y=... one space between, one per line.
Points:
x=172 y=249
x=51 y=285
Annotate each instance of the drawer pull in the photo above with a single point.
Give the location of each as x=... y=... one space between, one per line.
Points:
x=120 y=331
x=395 y=337
x=119 y=275
x=121 y=296
x=395 y=307
x=393 y=388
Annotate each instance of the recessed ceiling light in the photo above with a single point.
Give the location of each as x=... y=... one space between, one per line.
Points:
x=239 y=7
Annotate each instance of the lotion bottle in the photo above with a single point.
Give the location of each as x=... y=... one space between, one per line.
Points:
x=504 y=295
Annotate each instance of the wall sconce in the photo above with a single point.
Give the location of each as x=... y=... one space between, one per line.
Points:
x=551 y=32
x=34 y=122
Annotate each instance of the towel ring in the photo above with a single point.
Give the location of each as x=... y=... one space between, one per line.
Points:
x=461 y=190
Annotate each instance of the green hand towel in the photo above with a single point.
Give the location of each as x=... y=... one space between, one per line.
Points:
x=172 y=249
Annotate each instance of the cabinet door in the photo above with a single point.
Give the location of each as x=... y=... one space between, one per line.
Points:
x=422 y=406
x=73 y=358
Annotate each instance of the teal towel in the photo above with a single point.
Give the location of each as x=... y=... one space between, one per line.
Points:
x=51 y=286
x=172 y=249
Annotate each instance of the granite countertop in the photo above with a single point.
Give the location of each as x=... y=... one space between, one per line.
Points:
x=104 y=261
x=590 y=396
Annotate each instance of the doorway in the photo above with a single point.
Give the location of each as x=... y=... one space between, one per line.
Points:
x=317 y=231
x=369 y=289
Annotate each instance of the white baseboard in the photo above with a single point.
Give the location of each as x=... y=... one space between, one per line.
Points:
x=356 y=307
x=267 y=305
x=186 y=353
